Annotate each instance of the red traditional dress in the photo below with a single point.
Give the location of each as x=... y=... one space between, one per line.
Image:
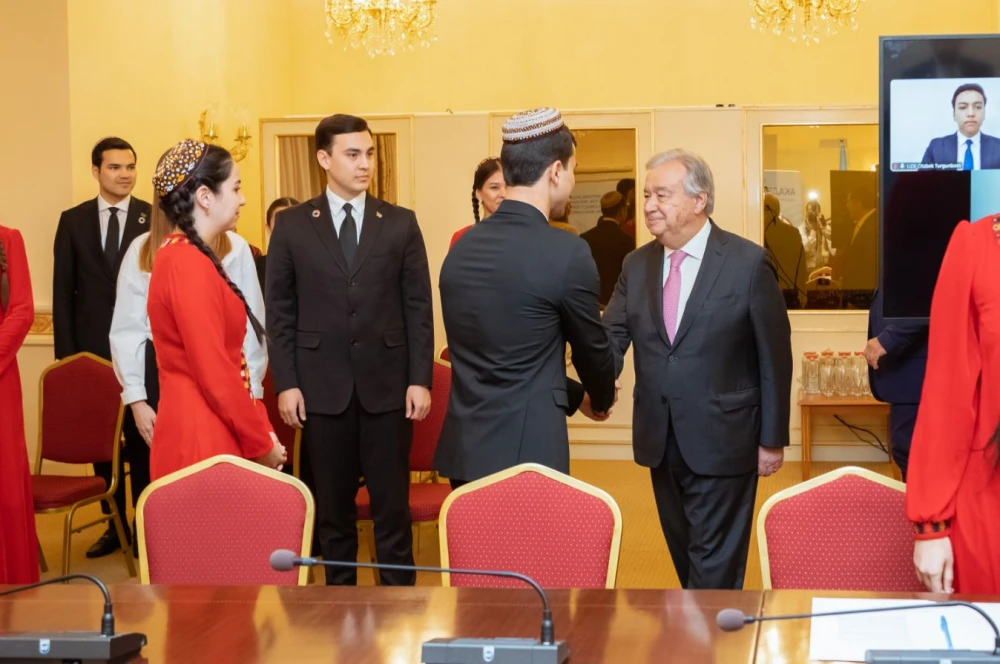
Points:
x=953 y=486
x=18 y=543
x=198 y=326
x=459 y=233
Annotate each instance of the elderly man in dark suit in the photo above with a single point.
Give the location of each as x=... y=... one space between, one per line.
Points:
x=91 y=240
x=713 y=366
x=351 y=341
x=514 y=290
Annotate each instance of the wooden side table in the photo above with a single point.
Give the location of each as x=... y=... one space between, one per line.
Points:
x=816 y=404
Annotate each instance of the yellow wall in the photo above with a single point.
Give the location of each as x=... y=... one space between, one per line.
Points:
x=270 y=56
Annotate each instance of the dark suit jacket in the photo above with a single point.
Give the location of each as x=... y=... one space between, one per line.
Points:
x=900 y=375
x=333 y=330
x=83 y=284
x=514 y=290
x=784 y=246
x=260 y=262
x=856 y=265
x=944 y=150
x=724 y=385
x=609 y=246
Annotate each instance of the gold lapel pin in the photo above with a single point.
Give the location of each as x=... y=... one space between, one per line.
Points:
x=378 y=214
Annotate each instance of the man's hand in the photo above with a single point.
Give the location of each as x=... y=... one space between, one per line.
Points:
x=769 y=460
x=874 y=352
x=145 y=418
x=587 y=409
x=292 y=407
x=418 y=402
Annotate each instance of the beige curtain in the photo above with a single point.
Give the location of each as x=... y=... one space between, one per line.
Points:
x=299 y=175
x=384 y=177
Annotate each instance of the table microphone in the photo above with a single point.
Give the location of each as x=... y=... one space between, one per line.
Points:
x=459 y=650
x=733 y=620
x=103 y=646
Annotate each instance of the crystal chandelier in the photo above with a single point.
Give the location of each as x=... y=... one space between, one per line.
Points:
x=804 y=20
x=381 y=26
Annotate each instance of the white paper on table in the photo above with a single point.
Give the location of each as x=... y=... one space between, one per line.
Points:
x=846 y=638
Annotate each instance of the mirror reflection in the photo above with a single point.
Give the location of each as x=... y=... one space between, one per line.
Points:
x=820 y=213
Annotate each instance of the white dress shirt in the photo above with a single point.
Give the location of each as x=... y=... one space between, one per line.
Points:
x=104 y=214
x=130 y=323
x=976 y=144
x=338 y=214
x=695 y=250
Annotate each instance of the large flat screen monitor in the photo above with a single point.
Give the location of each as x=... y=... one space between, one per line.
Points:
x=939 y=154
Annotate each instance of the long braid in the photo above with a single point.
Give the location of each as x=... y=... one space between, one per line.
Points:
x=4 y=280
x=475 y=205
x=181 y=211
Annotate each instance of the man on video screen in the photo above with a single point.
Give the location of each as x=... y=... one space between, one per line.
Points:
x=968 y=147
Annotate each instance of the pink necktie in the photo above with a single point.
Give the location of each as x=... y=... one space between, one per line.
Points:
x=672 y=294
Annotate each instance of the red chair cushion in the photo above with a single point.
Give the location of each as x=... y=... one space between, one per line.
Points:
x=848 y=534
x=81 y=400
x=219 y=527
x=532 y=524
x=427 y=431
x=425 y=501
x=52 y=491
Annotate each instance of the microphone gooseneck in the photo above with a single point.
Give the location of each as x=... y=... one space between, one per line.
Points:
x=107 y=620
x=731 y=620
x=284 y=560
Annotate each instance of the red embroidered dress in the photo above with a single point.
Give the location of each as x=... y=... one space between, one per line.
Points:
x=198 y=326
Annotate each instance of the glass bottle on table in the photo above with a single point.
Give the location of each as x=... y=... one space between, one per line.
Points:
x=827 y=386
x=810 y=373
x=843 y=375
x=864 y=389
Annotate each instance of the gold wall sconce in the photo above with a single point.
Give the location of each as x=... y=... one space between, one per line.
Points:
x=207 y=130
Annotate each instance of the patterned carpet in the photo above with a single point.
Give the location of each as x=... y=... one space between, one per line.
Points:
x=644 y=561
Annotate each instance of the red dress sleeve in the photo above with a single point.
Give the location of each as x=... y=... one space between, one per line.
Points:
x=16 y=322
x=199 y=310
x=943 y=437
x=459 y=233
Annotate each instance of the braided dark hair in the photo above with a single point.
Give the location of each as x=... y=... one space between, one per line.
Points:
x=178 y=206
x=4 y=280
x=485 y=170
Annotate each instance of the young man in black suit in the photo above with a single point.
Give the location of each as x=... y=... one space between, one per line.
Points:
x=711 y=342
x=351 y=341
x=91 y=240
x=514 y=290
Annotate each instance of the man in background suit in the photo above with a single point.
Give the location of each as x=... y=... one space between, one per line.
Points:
x=91 y=240
x=608 y=243
x=783 y=243
x=897 y=360
x=713 y=370
x=513 y=292
x=351 y=340
x=967 y=147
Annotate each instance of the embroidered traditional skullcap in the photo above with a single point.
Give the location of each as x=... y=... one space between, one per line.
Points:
x=611 y=199
x=532 y=124
x=177 y=164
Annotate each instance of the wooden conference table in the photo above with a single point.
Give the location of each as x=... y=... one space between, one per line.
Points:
x=376 y=625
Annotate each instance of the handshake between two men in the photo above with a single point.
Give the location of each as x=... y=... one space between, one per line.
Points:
x=597 y=416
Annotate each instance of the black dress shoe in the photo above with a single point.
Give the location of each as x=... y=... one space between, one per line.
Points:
x=108 y=543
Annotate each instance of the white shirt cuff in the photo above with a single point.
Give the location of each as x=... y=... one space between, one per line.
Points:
x=133 y=393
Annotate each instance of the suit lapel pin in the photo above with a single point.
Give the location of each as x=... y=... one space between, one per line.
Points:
x=315 y=214
x=142 y=218
x=378 y=214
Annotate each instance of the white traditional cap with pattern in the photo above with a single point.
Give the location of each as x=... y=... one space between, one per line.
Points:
x=532 y=124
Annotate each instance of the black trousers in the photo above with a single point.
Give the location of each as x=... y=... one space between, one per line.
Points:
x=902 y=419
x=341 y=448
x=136 y=451
x=706 y=521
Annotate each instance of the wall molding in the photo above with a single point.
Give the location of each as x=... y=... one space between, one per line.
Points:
x=41 y=325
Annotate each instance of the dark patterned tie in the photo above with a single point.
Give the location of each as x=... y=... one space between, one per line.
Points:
x=111 y=241
x=348 y=235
